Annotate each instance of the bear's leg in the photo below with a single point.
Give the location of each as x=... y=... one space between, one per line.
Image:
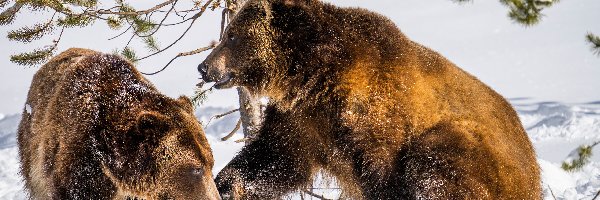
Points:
x=273 y=164
x=446 y=162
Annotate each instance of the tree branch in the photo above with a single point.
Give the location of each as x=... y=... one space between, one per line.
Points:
x=197 y=51
x=237 y=127
x=315 y=195
x=182 y=35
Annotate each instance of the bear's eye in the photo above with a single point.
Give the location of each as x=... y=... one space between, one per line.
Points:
x=232 y=38
x=197 y=171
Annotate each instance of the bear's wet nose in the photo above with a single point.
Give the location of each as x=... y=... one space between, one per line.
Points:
x=203 y=68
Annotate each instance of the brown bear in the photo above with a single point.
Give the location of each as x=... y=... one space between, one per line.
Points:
x=352 y=96
x=94 y=128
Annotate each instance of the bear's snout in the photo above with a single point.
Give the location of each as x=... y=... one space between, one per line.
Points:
x=203 y=69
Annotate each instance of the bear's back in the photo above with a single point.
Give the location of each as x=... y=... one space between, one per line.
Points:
x=64 y=106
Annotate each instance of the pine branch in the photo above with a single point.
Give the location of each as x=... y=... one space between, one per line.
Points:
x=28 y=34
x=594 y=40
x=8 y=15
x=3 y=3
x=200 y=95
x=151 y=43
x=527 y=12
x=114 y=23
x=194 y=18
x=70 y=21
x=37 y=56
x=579 y=157
x=161 y=21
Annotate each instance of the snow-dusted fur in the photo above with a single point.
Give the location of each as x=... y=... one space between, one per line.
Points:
x=350 y=94
x=94 y=128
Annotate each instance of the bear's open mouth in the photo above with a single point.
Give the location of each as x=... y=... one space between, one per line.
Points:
x=223 y=82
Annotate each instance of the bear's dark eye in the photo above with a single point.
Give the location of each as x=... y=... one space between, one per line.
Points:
x=197 y=171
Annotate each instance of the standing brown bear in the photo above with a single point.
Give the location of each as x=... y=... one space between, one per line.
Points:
x=94 y=128
x=353 y=96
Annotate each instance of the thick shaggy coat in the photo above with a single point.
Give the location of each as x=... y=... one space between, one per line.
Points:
x=94 y=128
x=355 y=98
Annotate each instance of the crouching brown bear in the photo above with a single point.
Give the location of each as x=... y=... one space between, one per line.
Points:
x=352 y=96
x=94 y=128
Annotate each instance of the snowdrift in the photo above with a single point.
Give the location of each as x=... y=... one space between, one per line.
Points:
x=555 y=129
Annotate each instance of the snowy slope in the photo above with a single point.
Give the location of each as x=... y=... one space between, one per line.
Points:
x=554 y=128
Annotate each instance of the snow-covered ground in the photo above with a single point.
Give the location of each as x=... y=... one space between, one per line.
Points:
x=555 y=129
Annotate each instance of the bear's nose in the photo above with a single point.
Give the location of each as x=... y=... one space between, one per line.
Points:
x=203 y=68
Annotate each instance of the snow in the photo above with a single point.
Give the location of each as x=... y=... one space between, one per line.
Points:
x=556 y=129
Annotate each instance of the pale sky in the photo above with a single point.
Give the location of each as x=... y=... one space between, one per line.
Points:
x=548 y=62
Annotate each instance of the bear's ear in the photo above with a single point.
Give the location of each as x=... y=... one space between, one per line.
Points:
x=150 y=125
x=185 y=103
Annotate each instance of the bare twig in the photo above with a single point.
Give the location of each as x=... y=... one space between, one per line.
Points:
x=221 y=115
x=142 y=12
x=315 y=195
x=161 y=21
x=197 y=51
x=184 y=33
x=551 y=192
x=120 y=34
x=237 y=127
x=242 y=140
x=596 y=196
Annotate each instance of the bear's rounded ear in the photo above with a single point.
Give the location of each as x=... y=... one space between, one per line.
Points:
x=186 y=103
x=151 y=123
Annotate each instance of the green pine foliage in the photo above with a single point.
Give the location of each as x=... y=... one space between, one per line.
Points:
x=151 y=43
x=200 y=95
x=7 y=16
x=579 y=158
x=114 y=23
x=75 y=21
x=594 y=40
x=28 y=34
x=527 y=12
x=35 y=57
x=129 y=54
x=142 y=26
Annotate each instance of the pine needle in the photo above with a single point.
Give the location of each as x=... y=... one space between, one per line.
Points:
x=129 y=54
x=594 y=40
x=151 y=44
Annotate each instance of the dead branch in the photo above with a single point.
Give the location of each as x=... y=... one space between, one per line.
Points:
x=120 y=34
x=161 y=21
x=315 y=195
x=184 y=33
x=197 y=51
x=221 y=115
x=237 y=127
x=142 y=12
x=551 y=192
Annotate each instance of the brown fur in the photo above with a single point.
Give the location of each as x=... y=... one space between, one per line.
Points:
x=351 y=95
x=94 y=128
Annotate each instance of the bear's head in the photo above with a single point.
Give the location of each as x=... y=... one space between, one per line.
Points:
x=272 y=45
x=160 y=152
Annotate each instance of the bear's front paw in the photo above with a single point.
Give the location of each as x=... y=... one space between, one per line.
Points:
x=230 y=185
